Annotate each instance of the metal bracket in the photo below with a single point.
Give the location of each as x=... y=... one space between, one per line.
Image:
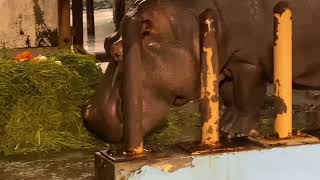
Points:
x=122 y=156
x=297 y=138
x=231 y=145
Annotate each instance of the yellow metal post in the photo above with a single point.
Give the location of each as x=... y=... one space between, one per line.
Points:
x=209 y=105
x=283 y=83
x=283 y=70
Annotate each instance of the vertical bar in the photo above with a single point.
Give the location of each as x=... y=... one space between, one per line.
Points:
x=119 y=10
x=77 y=21
x=64 y=24
x=90 y=18
x=209 y=104
x=283 y=69
x=132 y=85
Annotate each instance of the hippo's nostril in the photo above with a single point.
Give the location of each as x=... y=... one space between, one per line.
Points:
x=117 y=54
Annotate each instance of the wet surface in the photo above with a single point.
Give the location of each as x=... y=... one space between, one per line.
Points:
x=103 y=26
x=80 y=165
x=68 y=165
x=120 y=156
x=306 y=111
x=306 y=114
x=225 y=145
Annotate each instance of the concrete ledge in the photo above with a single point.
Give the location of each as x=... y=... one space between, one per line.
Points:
x=294 y=163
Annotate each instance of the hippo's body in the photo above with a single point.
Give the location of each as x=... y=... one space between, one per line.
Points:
x=170 y=60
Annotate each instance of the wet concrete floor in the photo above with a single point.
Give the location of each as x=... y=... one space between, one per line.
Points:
x=103 y=26
x=66 y=165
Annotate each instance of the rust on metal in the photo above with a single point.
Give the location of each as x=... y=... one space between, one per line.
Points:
x=283 y=69
x=119 y=155
x=279 y=104
x=225 y=145
x=171 y=165
x=132 y=85
x=296 y=138
x=283 y=85
x=209 y=104
x=139 y=149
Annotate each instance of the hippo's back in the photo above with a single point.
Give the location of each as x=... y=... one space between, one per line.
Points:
x=248 y=31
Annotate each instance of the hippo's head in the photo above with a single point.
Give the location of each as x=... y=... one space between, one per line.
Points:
x=163 y=53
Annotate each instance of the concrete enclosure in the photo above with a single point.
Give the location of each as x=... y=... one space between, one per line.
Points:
x=28 y=23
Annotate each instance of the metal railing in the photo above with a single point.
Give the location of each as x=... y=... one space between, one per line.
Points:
x=209 y=103
x=77 y=27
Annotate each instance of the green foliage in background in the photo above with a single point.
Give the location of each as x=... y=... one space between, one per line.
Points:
x=41 y=103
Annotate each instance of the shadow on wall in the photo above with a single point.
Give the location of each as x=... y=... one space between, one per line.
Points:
x=44 y=35
x=28 y=24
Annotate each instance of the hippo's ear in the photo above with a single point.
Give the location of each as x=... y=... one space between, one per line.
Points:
x=109 y=41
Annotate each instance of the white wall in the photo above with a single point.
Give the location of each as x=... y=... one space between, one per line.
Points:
x=22 y=18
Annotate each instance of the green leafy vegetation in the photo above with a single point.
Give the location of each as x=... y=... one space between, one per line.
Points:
x=181 y=126
x=41 y=103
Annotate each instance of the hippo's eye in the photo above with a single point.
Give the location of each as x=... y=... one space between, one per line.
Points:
x=146 y=28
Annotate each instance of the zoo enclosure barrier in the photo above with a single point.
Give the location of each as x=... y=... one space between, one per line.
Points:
x=209 y=103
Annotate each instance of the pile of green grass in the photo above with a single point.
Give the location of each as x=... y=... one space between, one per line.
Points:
x=41 y=107
x=181 y=126
x=41 y=103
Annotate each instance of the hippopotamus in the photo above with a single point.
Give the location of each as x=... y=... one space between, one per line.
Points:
x=169 y=72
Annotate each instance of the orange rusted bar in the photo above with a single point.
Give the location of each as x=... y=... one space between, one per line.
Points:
x=283 y=69
x=132 y=85
x=209 y=104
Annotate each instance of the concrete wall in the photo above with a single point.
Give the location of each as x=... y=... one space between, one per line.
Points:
x=28 y=23
x=290 y=163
